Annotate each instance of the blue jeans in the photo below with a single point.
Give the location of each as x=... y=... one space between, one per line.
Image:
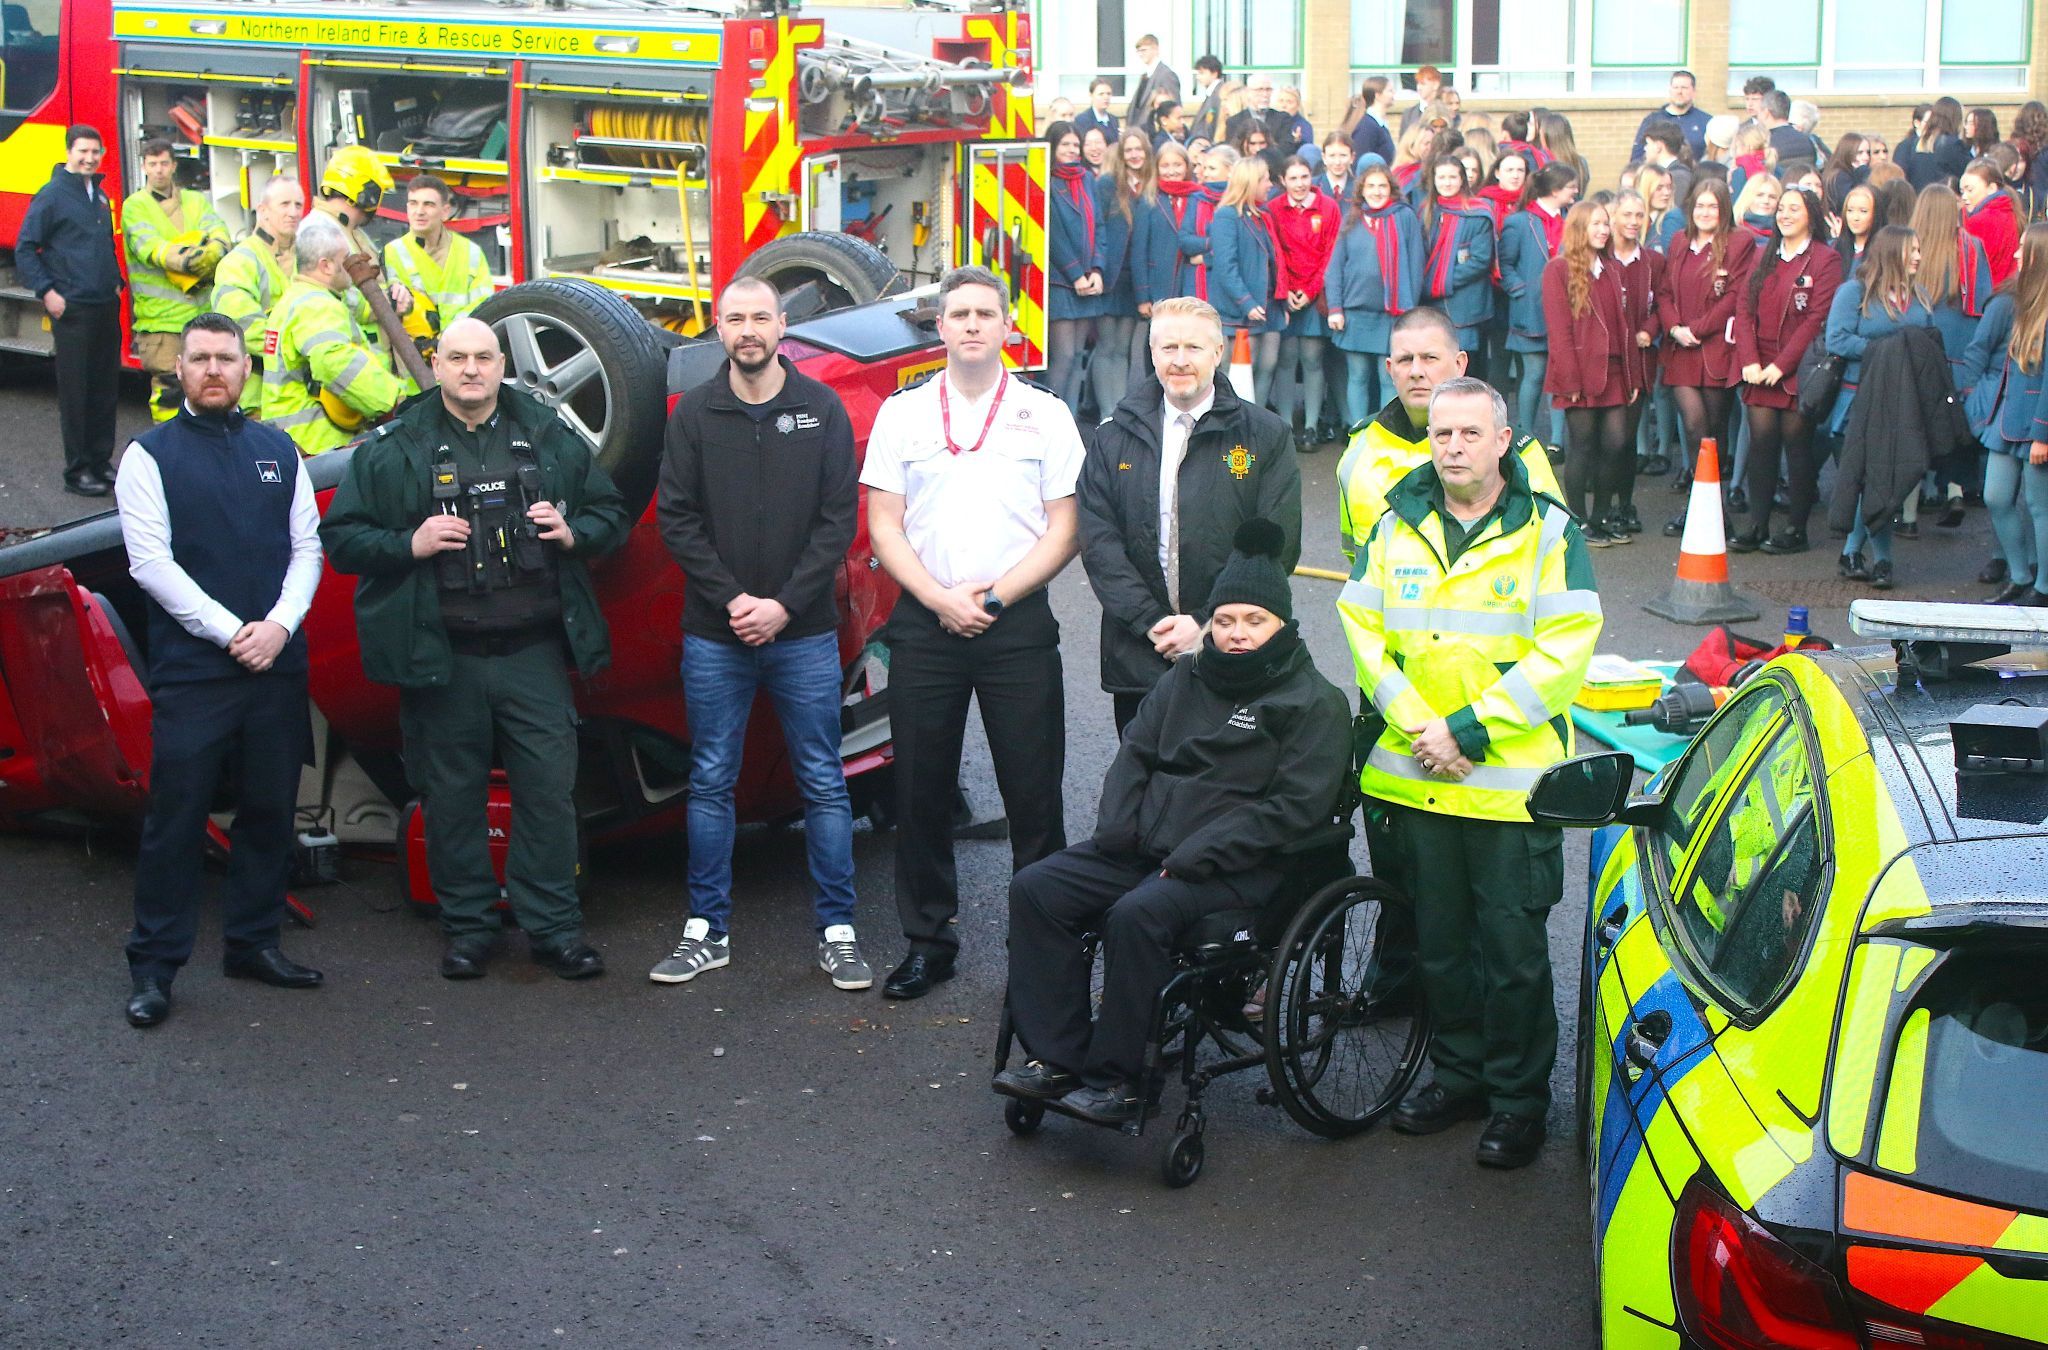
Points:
x=1362 y=384
x=801 y=678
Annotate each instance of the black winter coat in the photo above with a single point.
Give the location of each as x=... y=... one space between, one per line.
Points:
x=66 y=243
x=1906 y=417
x=1239 y=465
x=1212 y=785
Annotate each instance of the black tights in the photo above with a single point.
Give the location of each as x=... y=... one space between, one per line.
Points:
x=1773 y=431
x=1599 y=440
x=1704 y=412
x=1624 y=487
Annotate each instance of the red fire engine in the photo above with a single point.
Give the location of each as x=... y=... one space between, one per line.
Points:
x=653 y=149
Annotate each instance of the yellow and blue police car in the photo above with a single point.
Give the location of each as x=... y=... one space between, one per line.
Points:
x=1813 y=1035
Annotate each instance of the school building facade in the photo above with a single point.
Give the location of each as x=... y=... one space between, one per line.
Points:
x=1603 y=63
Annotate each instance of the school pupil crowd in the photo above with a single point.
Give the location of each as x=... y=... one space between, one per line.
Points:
x=1740 y=282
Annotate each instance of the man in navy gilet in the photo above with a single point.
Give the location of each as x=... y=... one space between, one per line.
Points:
x=223 y=537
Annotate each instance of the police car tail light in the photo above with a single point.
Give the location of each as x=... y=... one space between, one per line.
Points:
x=1740 y=1288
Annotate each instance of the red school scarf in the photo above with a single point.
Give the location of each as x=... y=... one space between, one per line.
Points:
x=1386 y=235
x=1553 y=228
x=1540 y=158
x=1451 y=212
x=1404 y=174
x=1966 y=276
x=1081 y=190
x=1501 y=200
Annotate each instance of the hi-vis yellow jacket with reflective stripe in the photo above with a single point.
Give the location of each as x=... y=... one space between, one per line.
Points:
x=314 y=343
x=1496 y=642
x=456 y=287
x=1388 y=449
x=160 y=307
x=246 y=287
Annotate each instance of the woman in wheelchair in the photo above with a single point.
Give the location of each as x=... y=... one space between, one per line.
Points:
x=1239 y=750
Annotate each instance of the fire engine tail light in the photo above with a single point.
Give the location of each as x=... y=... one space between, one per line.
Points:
x=1740 y=1288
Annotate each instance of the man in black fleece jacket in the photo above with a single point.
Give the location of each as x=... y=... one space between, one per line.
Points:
x=66 y=255
x=1232 y=755
x=757 y=505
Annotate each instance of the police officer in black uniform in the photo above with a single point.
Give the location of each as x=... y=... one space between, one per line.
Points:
x=470 y=518
x=222 y=536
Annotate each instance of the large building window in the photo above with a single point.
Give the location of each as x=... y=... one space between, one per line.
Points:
x=1525 y=46
x=1250 y=34
x=1833 y=46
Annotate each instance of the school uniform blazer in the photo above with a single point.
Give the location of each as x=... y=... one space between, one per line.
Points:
x=1243 y=273
x=1957 y=325
x=1703 y=298
x=1116 y=234
x=1524 y=252
x=2007 y=406
x=1468 y=302
x=1154 y=265
x=1354 y=284
x=1788 y=315
x=1594 y=361
x=1072 y=259
x=1641 y=280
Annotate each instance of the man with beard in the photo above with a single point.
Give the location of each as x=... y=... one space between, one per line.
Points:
x=218 y=517
x=757 y=506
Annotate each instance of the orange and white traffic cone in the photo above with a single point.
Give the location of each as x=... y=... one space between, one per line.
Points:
x=1241 y=366
x=1702 y=593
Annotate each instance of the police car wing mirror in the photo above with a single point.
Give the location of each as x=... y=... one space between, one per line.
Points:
x=1586 y=791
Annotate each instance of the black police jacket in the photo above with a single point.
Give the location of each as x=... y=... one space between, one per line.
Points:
x=1239 y=465
x=763 y=506
x=1211 y=783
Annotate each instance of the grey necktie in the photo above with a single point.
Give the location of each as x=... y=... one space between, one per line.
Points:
x=1184 y=426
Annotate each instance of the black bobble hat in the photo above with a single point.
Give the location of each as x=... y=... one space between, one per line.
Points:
x=1254 y=575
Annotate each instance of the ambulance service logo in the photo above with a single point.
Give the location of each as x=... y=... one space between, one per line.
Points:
x=266 y=471
x=1503 y=587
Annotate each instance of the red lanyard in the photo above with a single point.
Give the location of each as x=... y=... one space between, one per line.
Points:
x=946 y=414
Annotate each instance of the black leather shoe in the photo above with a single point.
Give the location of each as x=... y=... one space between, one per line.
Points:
x=1432 y=1108
x=271 y=967
x=1117 y=1105
x=1952 y=515
x=85 y=485
x=916 y=976
x=149 y=1004
x=1851 y=567
x=1738 y=500
x=1749 y=541
x=464 y=961
x=1036 y=1082
x=2033 y=599
x=1653 y=465
x=2012 y=593
x=572 y=960
x=1674 y=527
x=1992 y=573
x=1787 y=540
x=1881 y=575
x=1905 y=529
x=1510 y=1141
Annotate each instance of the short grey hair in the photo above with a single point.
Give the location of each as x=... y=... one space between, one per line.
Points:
x=1465 y=386
x=319 y=239
x=1188 y=306
x=1805 y=115
x=957 y=277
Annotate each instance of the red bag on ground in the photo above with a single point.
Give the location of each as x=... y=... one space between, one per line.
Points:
x=1723 y=653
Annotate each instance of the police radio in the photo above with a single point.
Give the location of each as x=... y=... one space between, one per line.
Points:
x=528 y=553
x=451 y=567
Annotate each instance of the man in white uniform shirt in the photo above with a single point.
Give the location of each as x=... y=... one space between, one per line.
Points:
x=970 y=479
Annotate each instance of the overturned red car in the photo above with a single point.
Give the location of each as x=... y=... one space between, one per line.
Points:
x=74 y=660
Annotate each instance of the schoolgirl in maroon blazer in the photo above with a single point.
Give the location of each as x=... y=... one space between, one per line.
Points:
x=1706 y=269
x=1596 y=367
x=1642 y=277
x=1783 y=310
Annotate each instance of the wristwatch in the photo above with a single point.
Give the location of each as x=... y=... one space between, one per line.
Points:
x=993 y=604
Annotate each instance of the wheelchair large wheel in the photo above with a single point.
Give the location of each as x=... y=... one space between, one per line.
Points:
x=1338 y=1057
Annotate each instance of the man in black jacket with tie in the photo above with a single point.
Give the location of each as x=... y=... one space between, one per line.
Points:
x=1153 y=538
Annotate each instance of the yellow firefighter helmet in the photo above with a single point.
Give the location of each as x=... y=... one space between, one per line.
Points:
x=356 y=175
x=338 y=411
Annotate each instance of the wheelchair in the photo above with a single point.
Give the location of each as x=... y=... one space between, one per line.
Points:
x=1338 y=1052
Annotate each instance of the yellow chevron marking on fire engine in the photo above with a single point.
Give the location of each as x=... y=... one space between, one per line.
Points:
x=26 y=156
x=778 y=169
x=525 y=38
